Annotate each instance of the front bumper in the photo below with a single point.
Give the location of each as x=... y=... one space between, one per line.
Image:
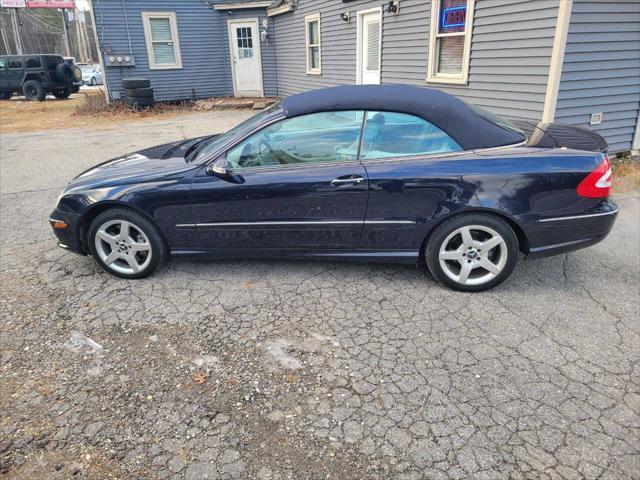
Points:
x=68 y=236
x=553 y=236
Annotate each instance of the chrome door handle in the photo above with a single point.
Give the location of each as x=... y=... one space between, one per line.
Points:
x=345 y=181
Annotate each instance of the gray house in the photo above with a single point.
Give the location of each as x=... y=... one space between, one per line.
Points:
x=574 y=61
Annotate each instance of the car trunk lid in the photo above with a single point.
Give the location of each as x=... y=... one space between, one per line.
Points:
x=561 y=135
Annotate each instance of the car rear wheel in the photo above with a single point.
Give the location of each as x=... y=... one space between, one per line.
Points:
x=32 y=90
x=472 y=252
x=126 y=244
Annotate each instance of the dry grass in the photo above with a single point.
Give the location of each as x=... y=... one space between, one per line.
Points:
x=626 y=174
x=96 y=105
x=86 y=109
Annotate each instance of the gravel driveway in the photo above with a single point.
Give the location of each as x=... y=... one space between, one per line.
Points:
x=280 y=369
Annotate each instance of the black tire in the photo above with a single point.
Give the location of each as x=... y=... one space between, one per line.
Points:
x=441 y=236
x=62 y=93
x=93 y=82
x=135 y=83
x=6 y=95
x=139 y=101
x=139 y=92
x=77 y=73
x=32 y=90
x=64 y=73
x=158 y=252
x=75 y=89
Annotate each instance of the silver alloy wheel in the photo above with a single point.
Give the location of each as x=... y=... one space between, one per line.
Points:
x=473 y=255
x=123 y=247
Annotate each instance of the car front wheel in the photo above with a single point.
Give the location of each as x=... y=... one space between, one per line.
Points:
x=126 y=244
x=472 y=252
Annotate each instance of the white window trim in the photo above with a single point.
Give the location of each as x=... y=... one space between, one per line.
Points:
x=307 y=20
x=432 y=75
x=146 y=16
x=359 y=33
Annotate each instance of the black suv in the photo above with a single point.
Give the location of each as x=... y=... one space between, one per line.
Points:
x=36 y=75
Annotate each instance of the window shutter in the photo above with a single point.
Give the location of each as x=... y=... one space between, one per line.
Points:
x=373 y=46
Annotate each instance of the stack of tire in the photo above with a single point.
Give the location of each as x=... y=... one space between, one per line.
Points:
x=139 y=92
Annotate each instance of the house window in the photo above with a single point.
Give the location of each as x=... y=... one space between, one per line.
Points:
x=450 y=41
x=161 y=35
x=312 y=26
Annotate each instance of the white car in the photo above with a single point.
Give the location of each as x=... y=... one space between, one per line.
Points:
x=92 y=75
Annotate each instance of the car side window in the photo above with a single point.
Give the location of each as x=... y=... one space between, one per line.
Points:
x=33 y=62
x=313 y=138
x=2 y=63
x=390 y=134
x=16 y=64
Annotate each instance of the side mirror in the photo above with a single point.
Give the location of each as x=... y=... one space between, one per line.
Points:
x=220 y=169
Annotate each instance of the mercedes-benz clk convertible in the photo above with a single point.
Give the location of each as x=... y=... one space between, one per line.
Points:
x=374 y=173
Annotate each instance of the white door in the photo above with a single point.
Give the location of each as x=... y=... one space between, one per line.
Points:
x=245 y=58
x=369 y=40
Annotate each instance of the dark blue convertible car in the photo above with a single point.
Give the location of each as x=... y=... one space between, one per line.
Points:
x=371 y=173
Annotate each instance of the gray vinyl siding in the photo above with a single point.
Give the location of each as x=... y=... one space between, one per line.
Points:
x=337 y=45
x=510 y=52
x=204 y=46
x=601 y=69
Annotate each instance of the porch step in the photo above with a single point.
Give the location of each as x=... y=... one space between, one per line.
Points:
x=233 y=103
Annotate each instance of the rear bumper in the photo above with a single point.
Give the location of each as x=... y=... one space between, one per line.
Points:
x=556 y=235
x=67 y=237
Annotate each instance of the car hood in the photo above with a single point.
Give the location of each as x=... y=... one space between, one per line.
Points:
x=155 y=163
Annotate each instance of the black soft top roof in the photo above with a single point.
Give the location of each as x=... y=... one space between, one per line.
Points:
x=447 y=112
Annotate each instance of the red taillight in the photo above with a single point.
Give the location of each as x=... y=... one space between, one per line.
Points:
x=598 y=183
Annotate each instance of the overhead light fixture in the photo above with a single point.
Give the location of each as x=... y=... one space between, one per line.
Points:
x=393 y=7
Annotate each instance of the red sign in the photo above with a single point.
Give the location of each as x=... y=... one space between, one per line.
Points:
x=51 y=4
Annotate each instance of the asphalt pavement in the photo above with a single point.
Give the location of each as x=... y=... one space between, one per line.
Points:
x=280 y=369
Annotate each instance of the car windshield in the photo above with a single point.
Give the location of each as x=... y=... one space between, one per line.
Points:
x=496 y=120
x=209 y=146
x=88 y=69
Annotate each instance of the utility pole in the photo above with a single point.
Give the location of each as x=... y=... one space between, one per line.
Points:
x=65 y=31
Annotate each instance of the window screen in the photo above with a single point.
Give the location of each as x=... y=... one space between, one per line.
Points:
x=161 y=34
x=313 y=43
x=449 y=40
x=163 y=52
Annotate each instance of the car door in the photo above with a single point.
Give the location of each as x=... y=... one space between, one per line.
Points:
x=296 y=184
x=15 y=73
x=408 y=162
